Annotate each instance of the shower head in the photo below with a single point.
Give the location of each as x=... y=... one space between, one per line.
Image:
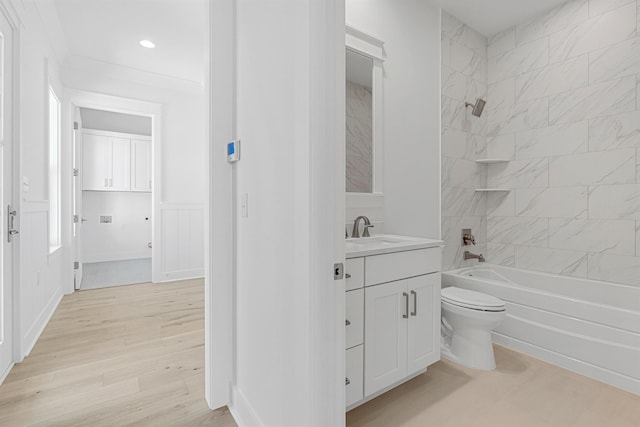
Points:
x=477 y=107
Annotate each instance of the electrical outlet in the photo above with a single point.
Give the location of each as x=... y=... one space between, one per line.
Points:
x=106 y=219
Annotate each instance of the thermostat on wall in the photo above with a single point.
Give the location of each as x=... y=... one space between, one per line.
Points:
x=233 y=151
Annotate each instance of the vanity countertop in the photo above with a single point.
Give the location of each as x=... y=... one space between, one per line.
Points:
x=386 y=243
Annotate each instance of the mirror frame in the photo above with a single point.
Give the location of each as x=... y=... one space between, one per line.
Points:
x=371 y=47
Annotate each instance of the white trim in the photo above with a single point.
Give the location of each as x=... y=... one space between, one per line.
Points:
x=219 y=213
x=172 y=276
x=13 y=16
x=373 y=48
x=113 y=134
x=242 y=411
x=97 y=101
x=364 y=43
x=31 y=336
x=6 y=372
x=326 y=211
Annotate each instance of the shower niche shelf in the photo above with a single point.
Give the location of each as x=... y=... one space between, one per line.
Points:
x=491 y=161
x=492 y=190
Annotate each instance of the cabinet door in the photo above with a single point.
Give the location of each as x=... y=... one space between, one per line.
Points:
x=423 y=344
x=385 y=339
x=354 y=317
x=140 y=165
x=353 y=375
x=96 y=153
x=120 y=165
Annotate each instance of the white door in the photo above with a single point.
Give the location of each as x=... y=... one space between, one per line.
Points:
x=78 y=220
x=96 y=155
x=140 y=165
x=385 y=329
x=423 y=346
x=7 y=213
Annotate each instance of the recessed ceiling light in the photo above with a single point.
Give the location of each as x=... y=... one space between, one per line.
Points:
x=148 y=44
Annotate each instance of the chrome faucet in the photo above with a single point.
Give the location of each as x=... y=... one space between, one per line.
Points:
x=356 y=231
x=469 y=255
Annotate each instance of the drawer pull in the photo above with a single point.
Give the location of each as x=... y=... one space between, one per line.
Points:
x=415 y=303
x=348 y=276
x=347 y=381
x=406 y=305
x=347 y=322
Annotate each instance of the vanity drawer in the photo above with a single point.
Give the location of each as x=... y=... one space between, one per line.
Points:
x=354 y=373
x=354 y=273
x=400 y=265
x=354 y=316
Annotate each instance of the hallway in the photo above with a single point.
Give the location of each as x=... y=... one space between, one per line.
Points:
x=129 y=355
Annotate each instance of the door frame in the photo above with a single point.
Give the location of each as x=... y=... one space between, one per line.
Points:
x=79 y=98
x=14 y=21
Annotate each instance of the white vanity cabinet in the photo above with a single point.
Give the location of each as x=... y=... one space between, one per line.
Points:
x=392 y=319
x=400 y=329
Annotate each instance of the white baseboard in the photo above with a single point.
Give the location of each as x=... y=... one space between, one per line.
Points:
x=242 y=411
x=172 y=276
x=600 y=374
x=31 y=336
x=5 y=374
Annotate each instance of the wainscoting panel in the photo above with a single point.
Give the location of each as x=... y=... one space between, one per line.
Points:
x=182 y=245
x=40 y=274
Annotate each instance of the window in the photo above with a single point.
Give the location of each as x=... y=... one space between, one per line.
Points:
x=54 y=171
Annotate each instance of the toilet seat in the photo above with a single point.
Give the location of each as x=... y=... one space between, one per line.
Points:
x=471 y=299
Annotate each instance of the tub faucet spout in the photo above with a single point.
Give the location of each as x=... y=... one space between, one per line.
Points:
x=469 y=255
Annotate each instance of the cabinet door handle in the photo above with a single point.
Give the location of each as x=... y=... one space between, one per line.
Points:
x=347 y=381
x=415 y=303
x=347 y=322
x=348 y=276
x=406 y=305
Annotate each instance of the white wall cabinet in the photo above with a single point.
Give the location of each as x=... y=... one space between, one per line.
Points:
x=140 y=165
x=114 y=162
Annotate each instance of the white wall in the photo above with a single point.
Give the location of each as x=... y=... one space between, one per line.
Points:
x=410 y=30
x=42 y=274
x=115 y=122
x=564 y=91
x=281 y=365
x=183 y=174
x=127 y=236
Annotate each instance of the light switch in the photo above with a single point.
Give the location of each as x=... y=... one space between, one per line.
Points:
x=244 y=205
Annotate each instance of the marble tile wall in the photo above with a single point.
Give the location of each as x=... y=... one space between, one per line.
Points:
x=563 y=105
x=464 y=78
x=359 y=138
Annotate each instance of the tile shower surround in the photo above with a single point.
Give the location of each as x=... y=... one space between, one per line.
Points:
x=563 y=104
x=464 y=78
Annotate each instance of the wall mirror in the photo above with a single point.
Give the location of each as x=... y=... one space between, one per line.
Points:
x=364 y=152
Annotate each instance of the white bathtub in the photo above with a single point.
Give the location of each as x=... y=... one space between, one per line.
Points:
x=587 y=326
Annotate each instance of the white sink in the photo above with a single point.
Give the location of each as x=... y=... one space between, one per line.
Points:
x=385 y=243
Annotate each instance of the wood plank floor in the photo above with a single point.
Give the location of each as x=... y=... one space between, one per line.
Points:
x=521 y=392
x=123 y=356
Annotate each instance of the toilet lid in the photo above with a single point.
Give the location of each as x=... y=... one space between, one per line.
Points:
x=471 y=299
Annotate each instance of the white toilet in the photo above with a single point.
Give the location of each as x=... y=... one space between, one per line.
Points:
x=468 y=317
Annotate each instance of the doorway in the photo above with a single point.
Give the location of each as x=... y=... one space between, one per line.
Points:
x=112 y=198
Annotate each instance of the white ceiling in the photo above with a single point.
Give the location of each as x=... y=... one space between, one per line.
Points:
x=492 y=16
x=110 y=31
